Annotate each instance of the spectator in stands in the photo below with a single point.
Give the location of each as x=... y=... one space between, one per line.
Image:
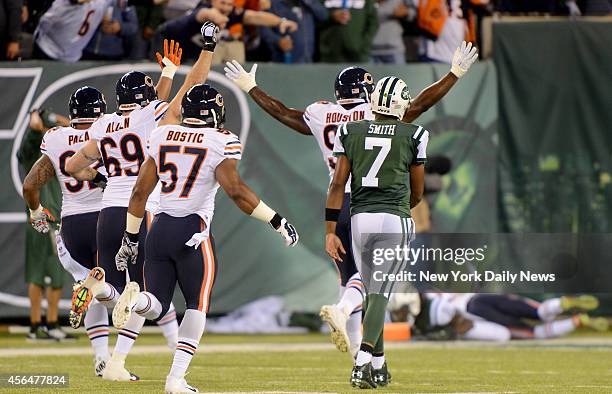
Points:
x=113 y=37
x=297 y=47
x=348 y=34
x=177 y=8
x=10 y=28
x=67 y=27
x=444 y=27
x=186 y=29
x=42 y=266
x=150 y=14
x=388 y=45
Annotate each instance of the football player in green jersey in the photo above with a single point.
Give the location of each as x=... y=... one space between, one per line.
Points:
x=385 y=160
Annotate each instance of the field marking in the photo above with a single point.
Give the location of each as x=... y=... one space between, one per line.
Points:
x=575 y=344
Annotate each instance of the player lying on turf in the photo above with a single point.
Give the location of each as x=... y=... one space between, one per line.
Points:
x=384 y=159
x=353 y=87
x=81 y=201
x=494 y=317
x=192 y=155
x=119 y=140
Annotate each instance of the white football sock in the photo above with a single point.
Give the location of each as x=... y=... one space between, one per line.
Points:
x=108 y=296
x=353 y=328
x=550 y=309
x=377 y=362
x=148 y=306
x=363 y=358
x=128 y=334
x=189 y=335
x=96 y=325
x=169 y=327
x=487 y=331
x=554 y=329
x=353 y=295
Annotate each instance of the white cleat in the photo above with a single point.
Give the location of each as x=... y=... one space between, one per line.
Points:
x=99 y=365
x=116 y=372
x=125 y=303
x=336 y=319
x=178 y=385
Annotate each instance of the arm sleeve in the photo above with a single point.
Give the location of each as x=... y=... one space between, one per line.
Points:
x=311 y=117
x=158 y=108
x=233 y=148
x=338 y=144
x=420 y=138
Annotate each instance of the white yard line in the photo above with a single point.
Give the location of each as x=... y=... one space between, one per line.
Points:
x=578 y=344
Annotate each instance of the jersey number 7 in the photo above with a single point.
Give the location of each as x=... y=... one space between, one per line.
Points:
x=168 y=166
x=371 y=179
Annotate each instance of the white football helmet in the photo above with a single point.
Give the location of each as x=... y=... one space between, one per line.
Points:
x=391 y=97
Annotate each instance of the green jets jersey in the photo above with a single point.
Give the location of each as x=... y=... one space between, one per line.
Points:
x=380 y=153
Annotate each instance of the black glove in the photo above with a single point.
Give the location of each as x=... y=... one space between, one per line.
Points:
x=209 y=35
x=99 y=181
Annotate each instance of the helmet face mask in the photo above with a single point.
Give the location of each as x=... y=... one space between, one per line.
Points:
x=203 y=105
x=134 y=90
x=391 y=97
x=86 y=105
x=353 y=85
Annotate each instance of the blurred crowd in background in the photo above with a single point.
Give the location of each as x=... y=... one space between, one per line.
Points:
x=287 y=31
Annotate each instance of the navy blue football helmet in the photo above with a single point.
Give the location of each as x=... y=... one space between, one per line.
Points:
x=353 y=85
x=86 y=104
x=203 y=105
x=134 y=90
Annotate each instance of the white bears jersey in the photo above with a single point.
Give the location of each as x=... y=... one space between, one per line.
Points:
x=186 y=159
x=323 y=119
x=122 y=141
x=59 y=144
x=66 y=29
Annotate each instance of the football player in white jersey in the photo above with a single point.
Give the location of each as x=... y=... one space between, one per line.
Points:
x=120 y=139
x=81 y=202
x=66 y=28
x=192 y=155
x=353 y=87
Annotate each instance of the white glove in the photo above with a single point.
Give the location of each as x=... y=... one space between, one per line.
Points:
x=39 y=219
x=287 y=231
x=463 y=58
x=244 y=80
x=127 y=253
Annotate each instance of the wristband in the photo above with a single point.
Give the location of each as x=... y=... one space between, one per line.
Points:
x=36 y=211
x=332 y=214
x=132 y=224
x=132 y=237
x=263 y=212
x=169 y=68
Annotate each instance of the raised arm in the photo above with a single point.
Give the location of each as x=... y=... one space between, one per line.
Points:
x=197 y=74
x=464 y=57
x=290 y=117
x=263 y=18
x=169 y=64
x=248 y=202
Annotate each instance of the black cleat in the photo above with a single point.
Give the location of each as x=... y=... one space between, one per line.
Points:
x=361 y=377
x=381 y=377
